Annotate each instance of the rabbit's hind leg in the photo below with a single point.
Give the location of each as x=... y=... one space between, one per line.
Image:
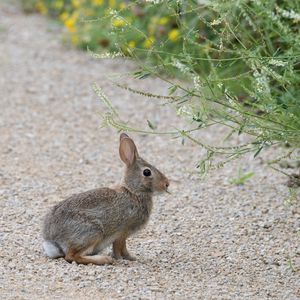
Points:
x=93 y=259
x=120 y=249
x=81 y=255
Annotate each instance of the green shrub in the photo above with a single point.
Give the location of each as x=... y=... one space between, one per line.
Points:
x=243 y=60
x=240 y=58
x=143 y=24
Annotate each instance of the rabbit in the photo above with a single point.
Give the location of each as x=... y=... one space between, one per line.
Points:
x=79 y=227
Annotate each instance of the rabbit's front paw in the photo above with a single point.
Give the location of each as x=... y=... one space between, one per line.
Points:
x=129 y=257
x=117 y=256
x=126 y=256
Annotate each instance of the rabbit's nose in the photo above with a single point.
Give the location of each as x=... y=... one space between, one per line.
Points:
x=167 y=185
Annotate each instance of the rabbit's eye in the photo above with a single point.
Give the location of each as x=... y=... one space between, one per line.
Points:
x=147 y=172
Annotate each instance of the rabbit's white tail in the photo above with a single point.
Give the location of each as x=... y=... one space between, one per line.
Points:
x=52 y=249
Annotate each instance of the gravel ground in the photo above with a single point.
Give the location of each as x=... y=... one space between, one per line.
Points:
x=208 y=240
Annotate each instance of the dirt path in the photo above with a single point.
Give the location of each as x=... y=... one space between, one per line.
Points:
x=208 y=240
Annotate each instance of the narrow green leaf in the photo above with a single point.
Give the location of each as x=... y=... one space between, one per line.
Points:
x=258 y=151
x=172 y=89
x=151 y=125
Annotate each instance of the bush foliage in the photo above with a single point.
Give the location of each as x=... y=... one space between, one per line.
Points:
x=96 y=23
x=241 y=59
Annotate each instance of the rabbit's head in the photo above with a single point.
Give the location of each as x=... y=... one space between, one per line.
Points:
x=140 y=176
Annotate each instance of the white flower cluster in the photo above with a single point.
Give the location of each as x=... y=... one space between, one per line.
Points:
x=154 y=1
x=113 y=12
x=262 y=83
x=197 y=82
x=271 y=73
x=277 y=63
x=275 y=18
x=180 y=66
x=105 y=54
x=289 y=14
x=216 y=22
x=184 y=111
x=230 y=100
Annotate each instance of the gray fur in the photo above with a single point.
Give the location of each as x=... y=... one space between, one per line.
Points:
x=104 y=214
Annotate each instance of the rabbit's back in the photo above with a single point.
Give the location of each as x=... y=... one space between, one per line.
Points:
x=99 y=213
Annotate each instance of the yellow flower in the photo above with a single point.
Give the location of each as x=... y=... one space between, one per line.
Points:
x=118 y=22
x=112 y=3
x=76 y=3
x=70 y=22
x=131 y=44
x=174 y=35
x=163 y=21
x=41 y=7
x=97 y=2
x=149 y=42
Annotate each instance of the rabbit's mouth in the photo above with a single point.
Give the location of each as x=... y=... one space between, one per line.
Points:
x=162 y=191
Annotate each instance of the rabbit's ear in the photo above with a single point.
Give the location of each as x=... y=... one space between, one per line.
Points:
x=127 y=150
x=123 y=135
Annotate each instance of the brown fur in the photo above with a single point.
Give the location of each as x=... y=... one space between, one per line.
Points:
x=82 y=225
